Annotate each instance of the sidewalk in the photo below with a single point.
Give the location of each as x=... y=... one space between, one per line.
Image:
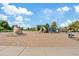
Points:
x=38 y=51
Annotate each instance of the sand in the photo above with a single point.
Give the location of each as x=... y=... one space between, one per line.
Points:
x=36 y=39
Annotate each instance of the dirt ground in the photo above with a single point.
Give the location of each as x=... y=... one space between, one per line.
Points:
x=36 y=39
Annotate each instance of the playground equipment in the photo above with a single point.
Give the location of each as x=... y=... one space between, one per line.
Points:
x=43 y=29
x=17 y=30
x=46 y=30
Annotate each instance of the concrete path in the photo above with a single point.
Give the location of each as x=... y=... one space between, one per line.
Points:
x=38 y=51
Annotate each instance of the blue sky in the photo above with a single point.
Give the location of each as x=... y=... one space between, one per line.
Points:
x=32 y=14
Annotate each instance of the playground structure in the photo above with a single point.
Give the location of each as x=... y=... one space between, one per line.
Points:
x=47 y=30
x=17 y=30
x=43 y=29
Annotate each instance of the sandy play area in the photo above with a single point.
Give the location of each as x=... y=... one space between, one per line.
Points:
x=36 y=39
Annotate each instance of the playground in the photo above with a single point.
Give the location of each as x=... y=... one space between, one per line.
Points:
x=41 y=42
x=37 y=39
x=36 y=43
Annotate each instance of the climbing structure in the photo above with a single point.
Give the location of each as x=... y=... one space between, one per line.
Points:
x=17 y=30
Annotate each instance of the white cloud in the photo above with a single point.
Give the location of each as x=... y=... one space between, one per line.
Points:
x=67 y=22
x=59 y=9
x=63 y=9
x=50 y=14
x=76 y=8
x=12 y=9
x=19 y=20
x=3 y=17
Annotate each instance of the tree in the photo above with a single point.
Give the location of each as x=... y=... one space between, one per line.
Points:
x=53 y=26
x=4 y=25
x=74 y=26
